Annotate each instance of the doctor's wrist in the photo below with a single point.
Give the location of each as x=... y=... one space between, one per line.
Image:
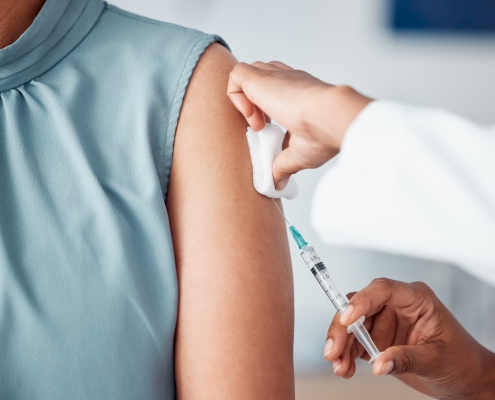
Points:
x=334 y=110
x=485 y=382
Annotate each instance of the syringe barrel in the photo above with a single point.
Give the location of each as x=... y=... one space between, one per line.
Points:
x=338 y=299
x=320 y=272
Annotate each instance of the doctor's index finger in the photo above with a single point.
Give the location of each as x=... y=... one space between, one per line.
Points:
x=381 y=292
x=240 y=78
x=257 y=81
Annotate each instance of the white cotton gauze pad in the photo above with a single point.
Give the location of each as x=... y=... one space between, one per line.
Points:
x=264 y=146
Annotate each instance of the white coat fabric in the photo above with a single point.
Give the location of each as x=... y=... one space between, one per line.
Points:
x=413 y=181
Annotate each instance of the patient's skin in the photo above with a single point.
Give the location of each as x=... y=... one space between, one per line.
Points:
x=15 y=17
x=235 y=325
x=235 y=330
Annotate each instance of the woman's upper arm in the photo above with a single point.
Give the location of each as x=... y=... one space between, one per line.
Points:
x=235 y=327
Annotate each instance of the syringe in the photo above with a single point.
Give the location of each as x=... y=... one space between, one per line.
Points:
x=338 y=299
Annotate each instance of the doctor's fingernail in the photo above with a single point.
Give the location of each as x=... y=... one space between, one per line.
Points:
x=282 y=184
x=328 y=348
x=347 y=313
x=386 y=368
x=336 y=365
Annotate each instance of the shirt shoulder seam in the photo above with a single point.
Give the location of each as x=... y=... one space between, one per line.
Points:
x=127 y=14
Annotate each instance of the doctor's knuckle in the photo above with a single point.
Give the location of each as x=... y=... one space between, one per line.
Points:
x=423 y=288
x=406 y=363
x=344 y=90
x=239 y=67
x=258 y=64
x=382 y=283
x=351 y=295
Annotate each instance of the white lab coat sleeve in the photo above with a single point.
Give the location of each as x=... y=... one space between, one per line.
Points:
x=413 y=181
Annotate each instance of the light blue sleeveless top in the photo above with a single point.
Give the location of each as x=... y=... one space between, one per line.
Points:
x=89 y=102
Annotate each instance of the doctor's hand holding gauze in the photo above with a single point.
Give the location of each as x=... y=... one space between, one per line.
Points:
x=409 y=180
x=264 y=147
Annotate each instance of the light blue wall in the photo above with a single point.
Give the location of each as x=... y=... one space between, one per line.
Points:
x=346 y=42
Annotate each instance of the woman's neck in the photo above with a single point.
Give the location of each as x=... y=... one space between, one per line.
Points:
x=15 y=17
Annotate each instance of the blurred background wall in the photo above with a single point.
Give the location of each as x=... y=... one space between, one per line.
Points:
x=351 y=42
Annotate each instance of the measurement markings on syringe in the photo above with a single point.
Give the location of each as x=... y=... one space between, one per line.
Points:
x=323 y=277
x=321 y=273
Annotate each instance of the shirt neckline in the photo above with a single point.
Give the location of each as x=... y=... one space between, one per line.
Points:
x=57 y=29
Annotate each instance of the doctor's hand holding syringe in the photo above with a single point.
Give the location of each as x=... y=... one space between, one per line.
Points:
x=411 y=181
x=426 y=347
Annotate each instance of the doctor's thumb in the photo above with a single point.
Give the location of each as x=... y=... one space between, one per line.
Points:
x=283 y=167
x=416 y=359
